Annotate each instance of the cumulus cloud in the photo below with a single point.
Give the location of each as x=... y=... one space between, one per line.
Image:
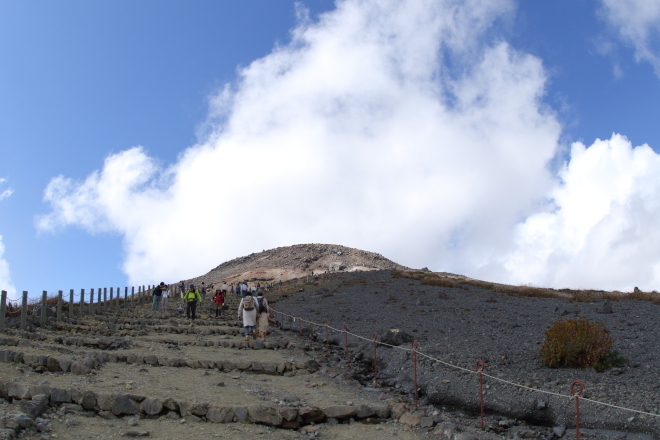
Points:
x=638 y=23
x=601 y=228
x=392 y=126
x=5 y=278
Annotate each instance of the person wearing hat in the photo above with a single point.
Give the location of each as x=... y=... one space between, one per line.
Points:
x=191 y=298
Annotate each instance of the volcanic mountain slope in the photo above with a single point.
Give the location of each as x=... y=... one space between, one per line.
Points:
x=286 y=263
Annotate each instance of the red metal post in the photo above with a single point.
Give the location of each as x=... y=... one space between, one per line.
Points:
x=348 y=357
x=481 y=366
x=375 y=364
x=577 y=391
x=326 y=339
x=415 y=346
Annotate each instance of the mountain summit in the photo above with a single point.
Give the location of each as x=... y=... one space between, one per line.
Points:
x=286 y=263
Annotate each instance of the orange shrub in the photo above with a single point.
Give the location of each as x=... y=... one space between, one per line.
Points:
x=576 y=343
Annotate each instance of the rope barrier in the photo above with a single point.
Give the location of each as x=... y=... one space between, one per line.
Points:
x=457 y=367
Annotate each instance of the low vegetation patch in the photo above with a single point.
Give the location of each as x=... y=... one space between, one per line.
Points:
x=579 y=343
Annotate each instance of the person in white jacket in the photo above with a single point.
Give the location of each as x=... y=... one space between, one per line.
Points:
x=248 y=308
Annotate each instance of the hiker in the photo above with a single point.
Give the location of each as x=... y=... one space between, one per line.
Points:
x=164 y=297
x=231 y=289
x=191 y=298
x=263 y=315
x=224 y=287
x=156 y=292
x=203 y=291
x=249 y=315
x=219 y=299
x=244 y=289
x=182 y=289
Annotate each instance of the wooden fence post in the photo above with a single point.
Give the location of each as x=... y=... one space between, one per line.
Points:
x=125 y=296
x=118 y=297
x=59 y=305
x=82 y=301
x=3 y=310
x=44 y=296
x=111 y=297
x=70 y=303
x=98 y=302
x=91 y=301
x=133 y=295
x=105 y=297
x=24 y=311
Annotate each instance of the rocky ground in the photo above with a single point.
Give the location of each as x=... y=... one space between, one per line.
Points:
x=464 y=324
x=127 y=371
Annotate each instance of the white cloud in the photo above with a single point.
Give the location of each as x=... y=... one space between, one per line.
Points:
x=5 y=277
x=392 y=127
x=6 y=193
x=601 y=230
x=638 y=23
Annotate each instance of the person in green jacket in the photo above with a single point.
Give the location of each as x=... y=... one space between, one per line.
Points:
x=191 y=298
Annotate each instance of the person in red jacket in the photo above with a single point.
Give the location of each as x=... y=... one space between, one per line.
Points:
x=219 y=299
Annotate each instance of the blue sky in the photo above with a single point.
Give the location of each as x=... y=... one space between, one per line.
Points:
x=186 y=134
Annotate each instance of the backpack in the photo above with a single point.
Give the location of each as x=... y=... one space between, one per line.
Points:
x=248 y=303
x=260 y=307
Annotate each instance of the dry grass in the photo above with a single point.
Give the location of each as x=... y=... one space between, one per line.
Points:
x=582 y=295
x=576 y=343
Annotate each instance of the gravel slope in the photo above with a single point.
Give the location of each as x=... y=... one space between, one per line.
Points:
x=461 y=326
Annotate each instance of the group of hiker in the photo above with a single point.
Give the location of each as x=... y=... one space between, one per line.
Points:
x=253 y=308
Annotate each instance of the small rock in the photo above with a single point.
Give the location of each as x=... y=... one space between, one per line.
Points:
x=559 y=431
x=136 y=434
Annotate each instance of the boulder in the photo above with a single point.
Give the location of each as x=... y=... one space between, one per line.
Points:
x=32 y=408
x=400 y=409
x=17 y=390
x=171 y=404
x=122 y=404
x=60 y=395
x=365 y=411
x=151 y=360
x=35 y=390
x=151 y=406
x=220 y=415
x=241 y=414
x=290 y=424
x=289 y=414
x=199 y=409
x=411 y=418
x=396 y=338
x=65 y=364
x=7 y=355
x=88 y=400
x=80 y=368
x=340 y=411
x=265 y=415
x=311 y=414
x=104 y=401
x=183 y=407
